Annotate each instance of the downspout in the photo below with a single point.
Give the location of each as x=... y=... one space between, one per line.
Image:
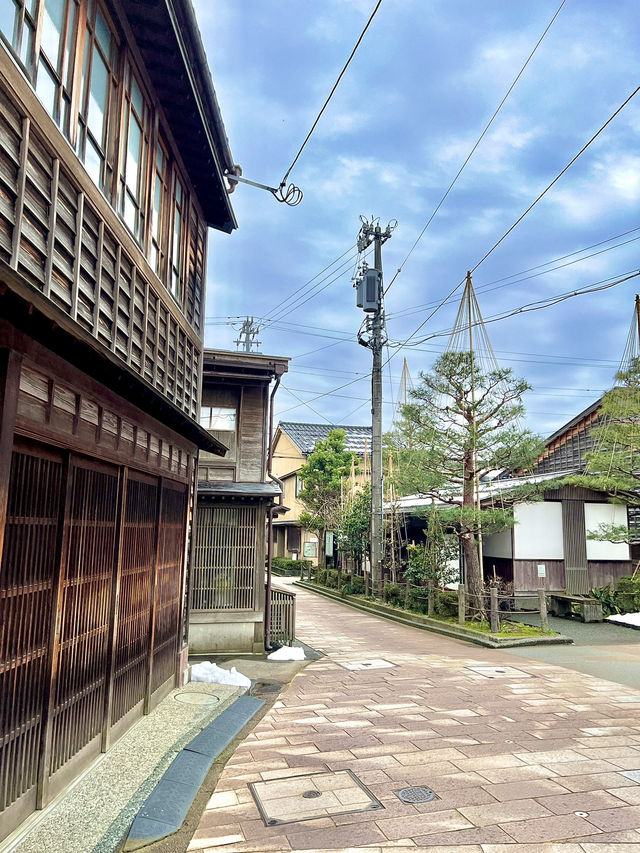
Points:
x=267 y=604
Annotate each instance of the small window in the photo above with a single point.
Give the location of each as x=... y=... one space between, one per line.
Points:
x=218 y=418
x=18 y=25
x=299 y=485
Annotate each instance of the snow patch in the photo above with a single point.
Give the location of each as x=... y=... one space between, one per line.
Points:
x=214 y=674
x=626 y=619
x=287 y=653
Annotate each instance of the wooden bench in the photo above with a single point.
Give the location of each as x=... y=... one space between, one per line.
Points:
x=561 y=604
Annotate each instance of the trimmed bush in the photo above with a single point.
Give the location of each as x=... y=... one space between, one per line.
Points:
x=288 y=567
x=393 y=593
x=627 y=596
x=445 y=603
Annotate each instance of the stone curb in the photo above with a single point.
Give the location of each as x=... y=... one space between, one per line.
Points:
x=426 y=624
x=166 y=807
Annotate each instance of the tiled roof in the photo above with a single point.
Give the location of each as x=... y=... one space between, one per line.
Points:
x=305 y=436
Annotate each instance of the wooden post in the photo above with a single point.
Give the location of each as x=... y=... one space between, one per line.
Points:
x=462 y=607
x=544 y=619
x=430 y=597
x=380 y=580
x=366 y=582
x=407 y=594
x=495 y=616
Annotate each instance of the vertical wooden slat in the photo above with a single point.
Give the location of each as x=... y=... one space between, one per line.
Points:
x=153 y=596
x=99 y=263
x=114 y=611
x=19 y=208
x=51 y=676
x=77 y=261
x=10 y=364
x=53 y=212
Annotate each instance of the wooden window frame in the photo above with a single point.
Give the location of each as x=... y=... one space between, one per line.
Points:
x=129 y=113
x=15 y=40
x=61 y=69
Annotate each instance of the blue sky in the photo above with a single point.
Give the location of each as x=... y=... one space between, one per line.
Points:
x=426 y=79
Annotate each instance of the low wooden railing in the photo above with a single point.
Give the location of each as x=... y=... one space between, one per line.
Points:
x=283 y=616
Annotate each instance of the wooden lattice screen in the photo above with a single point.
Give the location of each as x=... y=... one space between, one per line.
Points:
x=224 y=568
x=26 y=581
x=138 y=557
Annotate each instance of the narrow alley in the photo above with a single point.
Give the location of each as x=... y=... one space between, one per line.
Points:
x=515 y=750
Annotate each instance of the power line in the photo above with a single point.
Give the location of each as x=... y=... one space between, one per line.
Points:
x=477 y=143
x=521 y=217
x=335 y=86
x=557 y=178
x=486 y=288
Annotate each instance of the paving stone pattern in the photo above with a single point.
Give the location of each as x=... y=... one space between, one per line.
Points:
x=540 y=759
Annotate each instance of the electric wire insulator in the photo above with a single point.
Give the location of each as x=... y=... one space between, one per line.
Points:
x=291 y=195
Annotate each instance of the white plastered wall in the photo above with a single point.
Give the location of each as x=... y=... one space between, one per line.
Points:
x=498 y=545
x=537 y=534
x=605 y=513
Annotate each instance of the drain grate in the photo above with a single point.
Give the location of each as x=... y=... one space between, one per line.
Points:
x=417 y=794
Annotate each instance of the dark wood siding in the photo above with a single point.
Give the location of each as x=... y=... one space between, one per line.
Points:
x=62 y=237
x=574 y=535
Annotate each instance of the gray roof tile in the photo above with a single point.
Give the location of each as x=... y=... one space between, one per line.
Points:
x=305 y=436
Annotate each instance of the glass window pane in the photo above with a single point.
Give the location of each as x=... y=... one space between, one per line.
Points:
x=223 y=419
x=159 y=160
x=98 y=97
x=52 y=30
x=26 y=48
x=205 y=416
x=134 y=156
x=47 y=89
x=136 y=98
x=9 y=21
x=103 y=34
x=31 y=7
x=129 y=213
x=93 y=162
x=70 y=45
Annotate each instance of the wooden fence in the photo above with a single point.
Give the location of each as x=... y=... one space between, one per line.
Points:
x=283 y=616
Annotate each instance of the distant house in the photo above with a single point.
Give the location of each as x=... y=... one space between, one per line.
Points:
x=548 y=544
x=235 y=496
x=292 y=444
x=112 y=161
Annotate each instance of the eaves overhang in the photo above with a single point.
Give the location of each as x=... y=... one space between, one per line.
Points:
x=166 y=34
x=34 y=315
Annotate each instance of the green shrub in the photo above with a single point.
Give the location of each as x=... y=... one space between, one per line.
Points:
x=607 y=599
x=321 y=577
x=418 y=601
x=357 y=584
x=287 y=566
x=445 y=603
x=332 y=578
x=393 y=593
x=627 y=595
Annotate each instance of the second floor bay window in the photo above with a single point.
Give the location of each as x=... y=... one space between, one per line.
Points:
x=54 y=76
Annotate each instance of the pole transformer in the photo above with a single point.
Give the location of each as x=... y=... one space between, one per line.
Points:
x=373 y=335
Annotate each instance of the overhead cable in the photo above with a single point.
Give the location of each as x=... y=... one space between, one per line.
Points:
x=477 y=143
x=331 y=93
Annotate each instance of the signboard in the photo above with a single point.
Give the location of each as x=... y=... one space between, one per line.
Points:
x=310 y=549
x=328 y=542
x=542 y=570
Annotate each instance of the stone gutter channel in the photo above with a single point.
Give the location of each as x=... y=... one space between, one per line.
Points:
x=416 y=620
x=141 y=789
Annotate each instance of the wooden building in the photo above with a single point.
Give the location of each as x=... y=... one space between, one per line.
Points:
x=235 y=496
x=292 y=444
x=112 y=162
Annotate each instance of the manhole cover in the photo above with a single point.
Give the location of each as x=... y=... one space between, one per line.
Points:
x=417 y=794
x=499 y=672
x=197 y=698
x=310 y=795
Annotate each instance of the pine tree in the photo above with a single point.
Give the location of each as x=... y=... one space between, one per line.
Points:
x=462 y=424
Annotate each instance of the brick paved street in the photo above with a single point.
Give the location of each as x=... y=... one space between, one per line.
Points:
x=532 y=757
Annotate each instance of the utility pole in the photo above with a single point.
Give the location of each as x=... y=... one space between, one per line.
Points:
x=247 y=336
x=373 y=336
